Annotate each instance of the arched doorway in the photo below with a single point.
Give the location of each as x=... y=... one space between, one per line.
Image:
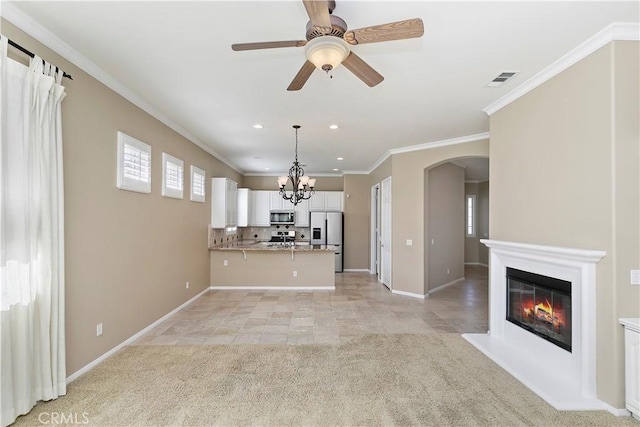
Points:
x=456 y=217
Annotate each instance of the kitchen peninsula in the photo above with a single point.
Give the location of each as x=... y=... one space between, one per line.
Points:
x=262 y=265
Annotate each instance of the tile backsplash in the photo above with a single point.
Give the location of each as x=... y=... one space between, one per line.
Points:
x=218 y=237
x=264 y=233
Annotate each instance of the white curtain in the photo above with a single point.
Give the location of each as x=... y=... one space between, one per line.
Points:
x=32 y=344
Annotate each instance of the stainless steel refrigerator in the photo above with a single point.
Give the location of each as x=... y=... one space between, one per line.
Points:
x=326 y=229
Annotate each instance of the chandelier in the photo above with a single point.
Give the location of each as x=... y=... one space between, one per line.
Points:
x=302 y=186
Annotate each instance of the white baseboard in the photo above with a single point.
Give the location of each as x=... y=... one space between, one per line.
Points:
x=356 y=270
x=477 y=263
x=407 y=294
x=446 y=285
x=131 y=339
x=618 y=412
x=273 y=288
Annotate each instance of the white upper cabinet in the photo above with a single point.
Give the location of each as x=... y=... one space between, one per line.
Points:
x=333 y=200
x=260 y=215
x=224 y=203
x=316 y=202
x=277 y=203
x=302 y=213
x=326 y=201
x=245 y=207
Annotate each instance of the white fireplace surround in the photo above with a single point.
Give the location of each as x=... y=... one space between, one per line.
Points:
x=566 y=380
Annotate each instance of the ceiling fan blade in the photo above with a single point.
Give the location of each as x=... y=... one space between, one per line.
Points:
x=318 y=11
x=303 y=75
x=400 y=30
x=268 y=45
x=362 y=70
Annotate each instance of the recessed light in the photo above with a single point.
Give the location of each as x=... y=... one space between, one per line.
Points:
x=334 y=127
x=258 y=126
x=336 y=170
x=267 y=169
x=340 y=158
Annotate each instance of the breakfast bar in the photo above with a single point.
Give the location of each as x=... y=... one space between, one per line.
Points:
x=263 y=265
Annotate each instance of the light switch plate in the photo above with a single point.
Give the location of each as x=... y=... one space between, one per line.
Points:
x=409 y=242
x=635 y=277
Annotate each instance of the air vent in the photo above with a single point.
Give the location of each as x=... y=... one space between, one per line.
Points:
x=502 y=79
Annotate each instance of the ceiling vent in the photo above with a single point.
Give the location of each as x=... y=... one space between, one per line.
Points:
x=502 y=79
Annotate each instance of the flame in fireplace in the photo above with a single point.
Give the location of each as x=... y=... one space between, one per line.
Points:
x=544 y=312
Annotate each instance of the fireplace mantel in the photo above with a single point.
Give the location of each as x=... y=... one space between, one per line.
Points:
x=566 y=380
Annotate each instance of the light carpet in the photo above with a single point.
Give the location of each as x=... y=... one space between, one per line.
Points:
x=427 y=380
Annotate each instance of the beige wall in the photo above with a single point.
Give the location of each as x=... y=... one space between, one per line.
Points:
x=408 y=209
x=357 y=222
x=323 y=183
x=383 y=171
x=564 y=172
x=445 y=208
x=127 y=255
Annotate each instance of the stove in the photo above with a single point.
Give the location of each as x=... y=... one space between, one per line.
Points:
x=282 y=236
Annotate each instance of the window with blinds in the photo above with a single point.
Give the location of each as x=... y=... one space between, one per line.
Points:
x=471 y=215
x=197 y=184
x=134 y=164
x=172 y=176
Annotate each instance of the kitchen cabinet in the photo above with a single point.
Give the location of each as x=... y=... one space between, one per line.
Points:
x=316 y=202
x=326 y=201
x=632 y=365
x=333 y=201
x=261 y=208
x=224 y=203
x=277 y=203
x=302 y=213
x=245 y=207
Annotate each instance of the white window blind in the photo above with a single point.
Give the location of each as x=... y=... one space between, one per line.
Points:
x=134 y=164
x=471 y=216
x=198 y=180
x=172 y=176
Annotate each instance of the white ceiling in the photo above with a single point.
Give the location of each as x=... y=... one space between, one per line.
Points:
x=177 y=57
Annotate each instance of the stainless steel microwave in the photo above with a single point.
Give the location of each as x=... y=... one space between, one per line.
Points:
x=282 y=217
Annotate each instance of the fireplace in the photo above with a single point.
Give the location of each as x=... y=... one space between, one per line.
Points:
x=541 y=305
x=549 y=348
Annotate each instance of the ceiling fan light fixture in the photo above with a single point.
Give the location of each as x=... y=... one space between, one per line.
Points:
x=327 y=52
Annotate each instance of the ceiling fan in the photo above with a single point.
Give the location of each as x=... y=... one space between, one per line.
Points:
x=328 y=43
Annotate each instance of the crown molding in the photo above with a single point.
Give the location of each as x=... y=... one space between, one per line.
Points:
x=276 y=174
x=378 y=162
x=442 y=143
x=355 y=173
x=426 y=146
x=614 y=31
x=34 y=29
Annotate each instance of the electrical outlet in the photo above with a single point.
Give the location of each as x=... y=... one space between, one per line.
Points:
x=635 y=277
x=448 y=271
x=225 y=262
x=295 y=273
x=433 y=241
x=187 y=285
x=409 y=242
x=99 y=329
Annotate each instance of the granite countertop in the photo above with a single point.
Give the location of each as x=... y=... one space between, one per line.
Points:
x=252 y=245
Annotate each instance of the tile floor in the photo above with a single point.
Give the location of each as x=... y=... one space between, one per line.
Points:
x=359 y=305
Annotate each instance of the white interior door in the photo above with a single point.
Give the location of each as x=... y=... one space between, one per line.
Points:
x=385 y=233
x=374 y=264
